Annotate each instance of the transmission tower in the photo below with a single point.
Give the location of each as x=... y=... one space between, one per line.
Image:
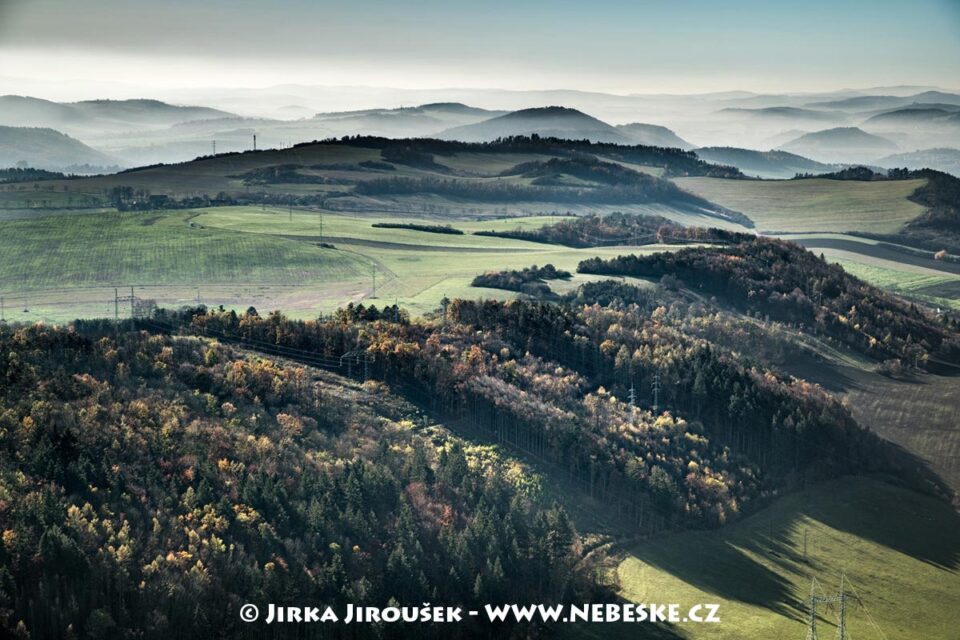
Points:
x=357 y=357
x=840 y=598
x=656 y=392
x=633 y=395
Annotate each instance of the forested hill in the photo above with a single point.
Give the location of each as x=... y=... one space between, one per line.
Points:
x=941 y=195
x=148 y=478
x=788 y=283
x=552 y=380
x=576 y=180
x=143 y=472
x=675 y=161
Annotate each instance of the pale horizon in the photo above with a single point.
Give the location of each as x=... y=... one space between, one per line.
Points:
x=63 y=50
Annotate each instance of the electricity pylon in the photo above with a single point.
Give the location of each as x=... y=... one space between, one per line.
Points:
x=840 y=598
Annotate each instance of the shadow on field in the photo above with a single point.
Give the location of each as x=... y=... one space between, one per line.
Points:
x=829 y=376
x=916 y=472
x=920 y=526
x=758 y=560
x=724 y=567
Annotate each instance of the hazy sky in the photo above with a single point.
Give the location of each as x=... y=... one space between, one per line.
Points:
x=644 y=46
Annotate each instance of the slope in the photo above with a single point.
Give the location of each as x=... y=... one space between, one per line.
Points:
x=47 y=149
x=764 y=164
x=654 y=135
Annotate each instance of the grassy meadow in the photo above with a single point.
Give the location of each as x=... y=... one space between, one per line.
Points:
x=785 y=206
x=899 y=550
x=57 y=267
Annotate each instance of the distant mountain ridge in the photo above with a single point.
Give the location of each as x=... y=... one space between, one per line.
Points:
x=916 y=115
x=858 y=103
x=787 y=113
x=98 y=116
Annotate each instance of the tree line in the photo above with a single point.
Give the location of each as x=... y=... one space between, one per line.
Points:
x=529 y=280
x=618 y=228
x=788 y=283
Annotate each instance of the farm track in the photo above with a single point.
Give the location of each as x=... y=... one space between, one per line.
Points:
x=881 y=251
x=400 y=246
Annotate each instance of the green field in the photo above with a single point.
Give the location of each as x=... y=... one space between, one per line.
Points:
x=58 y=266
x=785 y=206
x=910 y=272
x=900 y=552
x=933 y=287
x=61 y=266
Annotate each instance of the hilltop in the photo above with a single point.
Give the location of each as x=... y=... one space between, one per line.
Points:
x=547 y=122
x=43 y=148
x=654 y=136
x=842 y=144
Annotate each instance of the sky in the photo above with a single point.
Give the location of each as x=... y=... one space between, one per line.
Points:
x=117 y=48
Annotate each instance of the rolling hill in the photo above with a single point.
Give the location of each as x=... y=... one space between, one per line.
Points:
x=942 y=159
x=765 y=164
x=791 y=114
x=915 y=116
x=43 y=148
x=654 y=135
x=98 y=116
x=187 y=139
x=547 y=122
x=405 y=122
x=842 y=144
x=863 y=103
